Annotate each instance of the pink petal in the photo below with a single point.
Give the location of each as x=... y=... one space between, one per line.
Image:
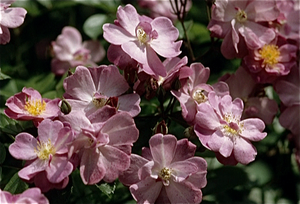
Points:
x=111 y=82
x=97 y=51
x=163 y=148
x=146 y=191
x=58 y=169
x=92 y=169
x=183 y=192
x=184 y=150
x=48 y=130
x=182 y=170
x=128 y=18
x=12 y=17
x=136 y=50
x=115 y=162
x=206 y=117
x=154 y=62
x=130 y=103
x=130 y=176
x=121 y=129
x=28 y=172
x=24 y=147
x=116 y=35
x=80 y=85
x=198 y=179
x=244 y=152
x=252 y=129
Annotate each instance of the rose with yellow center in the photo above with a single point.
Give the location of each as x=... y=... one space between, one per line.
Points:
x=269 y=54
x=44 y=149
x=36 y=107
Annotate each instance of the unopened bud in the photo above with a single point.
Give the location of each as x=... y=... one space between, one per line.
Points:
x=65 y=107
x=161 y=128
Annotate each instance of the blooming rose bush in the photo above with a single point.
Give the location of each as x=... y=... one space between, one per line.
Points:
x=149 y=102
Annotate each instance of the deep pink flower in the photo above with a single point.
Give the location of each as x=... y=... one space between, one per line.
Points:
x=288 y=20
x=168 y=172
x=69 y=51
x=102 y=143
x=89 y=89
x=220 y=129
x=239 y=24
x=242 y=85
x=47 y=153
x=271 y=60
x=9 y=18
x=29 y=196
x=29 y=105
x=141 y=38
x=164 y=8
x=288 y=90
x=194 y=91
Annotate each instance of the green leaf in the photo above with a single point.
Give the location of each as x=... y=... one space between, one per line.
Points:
x=93 y=25
x=11 y=126
x=16 y=185
x=3 y=76
x=107 y=189
x=259 y=172
x=2 y=153
x=187 y=24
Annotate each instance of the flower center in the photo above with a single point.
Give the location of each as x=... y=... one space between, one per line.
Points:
x=270 y=54
x=199 y=96
x=99 y=102
x=241 y=16
x=142 y=35
x=82 y=55
x=165 y=174
x=44 y=150
x=35 y=107
x=233 y=126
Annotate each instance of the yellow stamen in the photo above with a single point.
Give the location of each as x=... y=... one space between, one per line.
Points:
x=270 y=54
x=142 y=35
x=199 y=96
x=35 y=107
x=99 y=103
x=165 y=174
x=45 y=149
x=241 y=16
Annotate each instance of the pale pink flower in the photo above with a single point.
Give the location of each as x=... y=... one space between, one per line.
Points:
x=47 y=153
x=141 y=38
x=102 y=143
x=89 y=89
x=242 y=85
x=168 y=172
x=220 y=129
x=164 y=8
x=239 y=23
x=271 y=60
x=9 y=18
x=29 y=196
x=69 y=51
x=29 y=105
x=194 y=91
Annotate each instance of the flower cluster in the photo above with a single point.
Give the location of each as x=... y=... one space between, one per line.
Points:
x=93 y=127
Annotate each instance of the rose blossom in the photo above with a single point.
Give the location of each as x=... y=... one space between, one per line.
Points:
x=29 y=105
x=220 y=129
x=103 y=143
x=239 y=24
x=271 y=60
x=29 y=196
x=69 y=51
x=47 y=153
x=257 y=104
x=194 y=91
x=168 y=172
x=89 y=89
x=9 y=18
x=141 y=38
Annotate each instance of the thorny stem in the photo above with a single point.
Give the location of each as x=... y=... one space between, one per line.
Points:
x=181 y=13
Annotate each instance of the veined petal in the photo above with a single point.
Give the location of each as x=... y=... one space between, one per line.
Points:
x=24 y=147
x=128 y=18
x=252 y=129
x=244 y=151
x=116 y=35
